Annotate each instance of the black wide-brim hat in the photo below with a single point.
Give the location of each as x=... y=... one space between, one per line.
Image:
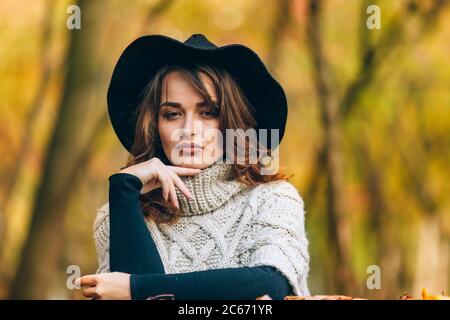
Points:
x=144 y=56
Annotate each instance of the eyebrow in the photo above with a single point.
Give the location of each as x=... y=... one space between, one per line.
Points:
x=178 y=105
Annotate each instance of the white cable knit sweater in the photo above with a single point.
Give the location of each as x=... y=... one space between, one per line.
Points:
x=226 y=225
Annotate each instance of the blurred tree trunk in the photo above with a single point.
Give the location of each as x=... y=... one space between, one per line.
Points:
x=43 y=244
x=338 y=225
x=278 y=30
x=380 y=217
x=26 y=144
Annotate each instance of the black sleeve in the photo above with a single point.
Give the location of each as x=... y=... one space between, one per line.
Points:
x=244 y=283
x=132 y=249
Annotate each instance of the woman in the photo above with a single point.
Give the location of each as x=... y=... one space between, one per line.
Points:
x=181 y=222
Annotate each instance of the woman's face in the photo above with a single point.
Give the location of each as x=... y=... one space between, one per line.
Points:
x=185 y=118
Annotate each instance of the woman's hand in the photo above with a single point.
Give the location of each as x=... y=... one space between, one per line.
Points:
x=106 y=286
x=155 y=174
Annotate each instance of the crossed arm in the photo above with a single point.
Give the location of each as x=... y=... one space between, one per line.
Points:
x=138 y=272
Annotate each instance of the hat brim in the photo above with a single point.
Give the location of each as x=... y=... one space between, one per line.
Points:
x=143 y=57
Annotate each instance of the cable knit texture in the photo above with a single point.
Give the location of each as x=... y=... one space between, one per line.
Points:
x=226 y=225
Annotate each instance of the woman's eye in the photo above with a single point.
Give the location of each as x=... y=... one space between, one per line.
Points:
x=170 y=115
x=209 y=113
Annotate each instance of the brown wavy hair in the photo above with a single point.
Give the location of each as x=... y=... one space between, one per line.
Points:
x=235 y=112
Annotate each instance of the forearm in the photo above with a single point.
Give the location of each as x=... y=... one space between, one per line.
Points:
x=245 y=283
x=132 y=249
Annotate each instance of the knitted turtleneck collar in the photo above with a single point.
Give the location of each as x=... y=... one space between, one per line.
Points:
x=210 y=189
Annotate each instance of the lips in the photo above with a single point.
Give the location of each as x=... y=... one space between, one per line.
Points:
x=186 y=145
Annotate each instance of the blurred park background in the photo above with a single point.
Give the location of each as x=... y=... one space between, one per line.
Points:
x=368 y=133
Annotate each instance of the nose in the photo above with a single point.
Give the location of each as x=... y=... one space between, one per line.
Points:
x=191 y=126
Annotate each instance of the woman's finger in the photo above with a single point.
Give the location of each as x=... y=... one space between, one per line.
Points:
x=180 y=184
x=183 y=171
x=88 y=280
x=90 y=292
x=164 y=179
x=173 y=193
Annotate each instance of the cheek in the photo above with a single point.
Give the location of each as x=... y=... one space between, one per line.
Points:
x=211 y=132
x=211 y=124
x=165 y=132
